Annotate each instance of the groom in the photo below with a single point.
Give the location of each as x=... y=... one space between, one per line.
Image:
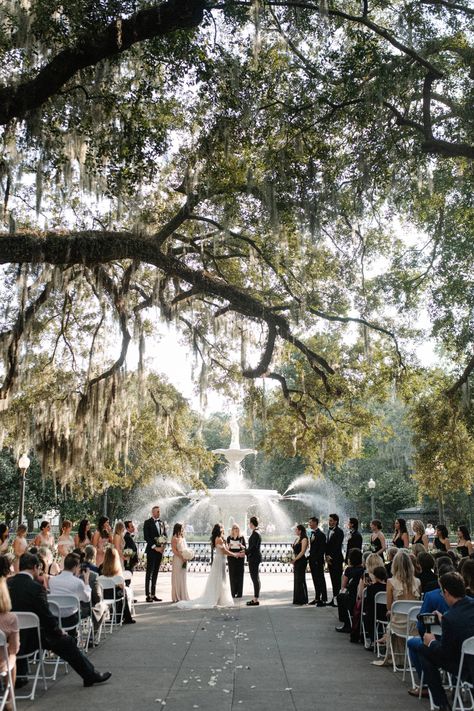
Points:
x=152 y=528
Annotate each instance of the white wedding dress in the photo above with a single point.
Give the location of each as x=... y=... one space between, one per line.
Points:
x=217 y=591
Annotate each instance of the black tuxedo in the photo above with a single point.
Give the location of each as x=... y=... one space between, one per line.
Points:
x=128 y=542
x=254 y=558
x=151 y=531
x=354 y=541
x=334 y=543
x=317 y=549
x=456 y=626
x=27 y=595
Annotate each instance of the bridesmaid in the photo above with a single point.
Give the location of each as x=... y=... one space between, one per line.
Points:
x=83 y=535
x=236 y=543
x=419 y=534
x=464 y=545
x=102 y=538
x=441 y=541
x=44 y=538
x=65 y=540
x=20 y=544
x=179 y=588
x=400 y=538
x=4 y=540
x=300 y=591
x=119 y=533
x=378 y=544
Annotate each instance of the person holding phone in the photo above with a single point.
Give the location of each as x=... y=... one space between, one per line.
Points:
x=68 y=582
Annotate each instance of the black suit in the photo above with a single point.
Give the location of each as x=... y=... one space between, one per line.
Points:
x=354 y=541
x=317 y=549
x=28 y=595
x=151 y=531
x=254 y=558
x=334 y=543
x=456 y=626
x=128 y=542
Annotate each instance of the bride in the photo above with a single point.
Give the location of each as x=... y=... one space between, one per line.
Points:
x=217 y=591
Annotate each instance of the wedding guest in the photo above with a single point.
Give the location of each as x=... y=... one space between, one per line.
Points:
x=89 y=553
x=44 y=538
x=464 y=545
x=441 y=540
x=400 y=534
x=179 y=588
x=65 y=540
x=457 y=625
x=355 y=538
x=466 y=569
x=83 y=535
x=20 y=544
x=300 y=545
x=376 y=583
x=236 y=543
x=347 y=596
x=428 y=579
x=9 y=626
x=112 y=569
x=419 y=534
x=391 y=553
x=4 y=539
x=68 y=582
x=153 y=529
x=102 y=538
x=378 y=543
x=254 y=558
x=129 y=545
x=416 y=549
x=118 y=539
x=49 y=567
x=334 y=556
x=372 y=561
x=27 y=595
x=317 y=550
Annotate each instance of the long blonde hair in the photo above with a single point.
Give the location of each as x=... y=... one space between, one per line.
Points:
x=404 y=571
x=111 y=565
x=5 y=601
x=418 y=527
x=119 y=528
x=373 y=561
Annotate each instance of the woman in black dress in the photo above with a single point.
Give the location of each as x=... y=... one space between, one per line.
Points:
x=441 y=540
x=378 y=543
x=236 y=544
x=400 y=534
x=419 y=534
x=300 y=591
x=464 y=546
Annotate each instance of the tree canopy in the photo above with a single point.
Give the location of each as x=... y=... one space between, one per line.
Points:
x=290 y=176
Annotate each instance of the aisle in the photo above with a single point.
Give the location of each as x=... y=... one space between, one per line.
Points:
x=275 y=656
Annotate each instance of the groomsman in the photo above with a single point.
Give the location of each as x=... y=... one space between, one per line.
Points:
x=355 y=538
x=334 y=556
x=254 y=558
x=129 y=542
x=152 y=529
x=317 y=549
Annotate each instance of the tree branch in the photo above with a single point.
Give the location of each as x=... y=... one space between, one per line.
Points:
x=462 y=379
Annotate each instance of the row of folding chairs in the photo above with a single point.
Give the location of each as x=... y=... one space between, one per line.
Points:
x=8 y=690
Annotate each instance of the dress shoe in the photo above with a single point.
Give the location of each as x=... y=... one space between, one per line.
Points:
x=129 y=622
x=20 y=682
x=343 y=628
x=149 y=598
x=332 y=603
x=416 y=692
x=98 y=678
x=156 y=599
x=252 y=603
x=321 y=603
x=313 y=602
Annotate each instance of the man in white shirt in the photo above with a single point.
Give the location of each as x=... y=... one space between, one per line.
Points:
x=68 y=583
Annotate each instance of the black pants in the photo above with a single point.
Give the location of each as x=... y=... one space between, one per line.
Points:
x=153 y=562
x=65 y=647
x=253 y=570
x=345 y=605
x=431 y=661
x=236 y=576
x=335 y=572
x=319 y=581
x=300 y=591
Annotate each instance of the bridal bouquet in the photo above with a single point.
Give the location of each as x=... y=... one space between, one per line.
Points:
x=187 y=554
x=127 y=553
x=161 y=540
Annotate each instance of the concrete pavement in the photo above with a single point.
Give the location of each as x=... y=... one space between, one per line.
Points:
x=241 y=659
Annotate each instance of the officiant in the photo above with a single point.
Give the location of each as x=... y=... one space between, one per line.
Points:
x=236 y=543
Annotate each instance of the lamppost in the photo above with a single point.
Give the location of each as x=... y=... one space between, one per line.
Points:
x=371 y=484
x=23 y=464
x=106 y=502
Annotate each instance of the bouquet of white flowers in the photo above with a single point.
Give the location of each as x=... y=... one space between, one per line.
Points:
x=161 y=540
x=188 y=554
x=127 y=553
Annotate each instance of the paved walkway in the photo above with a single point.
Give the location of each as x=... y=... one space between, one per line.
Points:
x=275 y=656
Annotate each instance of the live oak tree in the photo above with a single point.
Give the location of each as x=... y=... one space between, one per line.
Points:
x=243 y=169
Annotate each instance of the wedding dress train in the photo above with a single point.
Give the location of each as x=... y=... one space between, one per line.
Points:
x=217 y=590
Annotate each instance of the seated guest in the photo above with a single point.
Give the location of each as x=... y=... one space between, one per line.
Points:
x=417 y=548
x=90 y=558
x=355 y=538
x=9 y=626
x=391 y=553
x=428 y=579
x=377 y=583
x=69 y=583
x=112 y=569
x=20 y=544
x=347 y=596
x=457 y=624
x=28 y=595
x=466 y=569
x=433 y=601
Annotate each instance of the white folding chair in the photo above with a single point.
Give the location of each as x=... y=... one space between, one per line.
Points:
x=409 y=609
x=362 y=621
x=30 y=621
x=59 y=604
x=380 y=625
x=8 y=693
x=115 y=617
x=464 y=688
x=128 y=577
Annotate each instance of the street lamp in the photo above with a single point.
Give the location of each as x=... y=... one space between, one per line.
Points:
x=23 y=464
x=105 y=502
x=371 y=485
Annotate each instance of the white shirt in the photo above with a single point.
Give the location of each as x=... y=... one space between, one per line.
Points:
x=66 y=583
